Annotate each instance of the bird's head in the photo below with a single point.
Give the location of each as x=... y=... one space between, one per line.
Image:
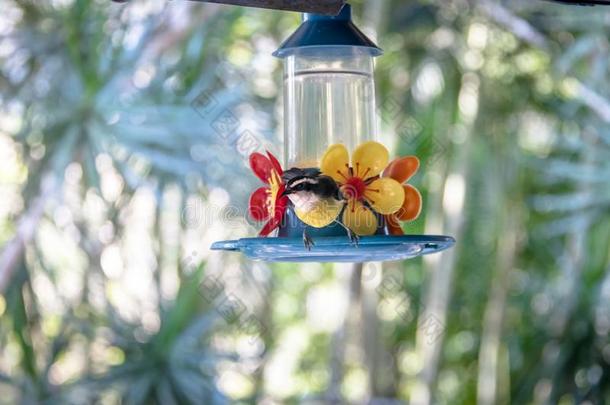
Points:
x=304 y=187
x=299 y=180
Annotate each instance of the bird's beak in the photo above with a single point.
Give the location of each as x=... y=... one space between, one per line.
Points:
x=286 y=192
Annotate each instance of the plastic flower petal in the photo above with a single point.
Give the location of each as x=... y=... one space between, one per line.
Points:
x=369 y=159
x=258 y=204
x=275 y=163
x=267 y=203
x=411 y=207
x=269 y=227
x=359 y=219
x=262 y=166
x=385 y=195
x=335 y=163
x=402 y=169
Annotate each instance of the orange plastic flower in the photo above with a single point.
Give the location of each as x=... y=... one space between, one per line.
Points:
x=401 y=170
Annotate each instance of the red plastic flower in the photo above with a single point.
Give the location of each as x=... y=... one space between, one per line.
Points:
x=267 y=203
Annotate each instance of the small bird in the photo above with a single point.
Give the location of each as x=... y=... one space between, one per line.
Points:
x=317 y=200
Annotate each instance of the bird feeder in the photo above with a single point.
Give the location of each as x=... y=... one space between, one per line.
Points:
x=330 y=132
x=329 y=90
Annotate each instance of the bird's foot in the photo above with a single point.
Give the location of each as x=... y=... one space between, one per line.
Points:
x=307 y=241
x=353 y=238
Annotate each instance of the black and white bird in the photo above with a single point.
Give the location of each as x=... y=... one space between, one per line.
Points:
x=316 y=199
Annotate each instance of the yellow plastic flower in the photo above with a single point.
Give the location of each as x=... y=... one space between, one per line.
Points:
x=365 y=191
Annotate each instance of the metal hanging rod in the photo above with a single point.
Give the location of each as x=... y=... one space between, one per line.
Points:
x=325 y=7
x=584 y=2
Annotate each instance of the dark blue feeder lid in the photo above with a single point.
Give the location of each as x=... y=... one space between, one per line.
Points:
x=321 y=30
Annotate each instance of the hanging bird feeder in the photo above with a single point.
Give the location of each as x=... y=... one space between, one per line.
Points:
x=338 y=197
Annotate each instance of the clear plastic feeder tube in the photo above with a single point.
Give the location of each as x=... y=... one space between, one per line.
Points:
x=329 y=97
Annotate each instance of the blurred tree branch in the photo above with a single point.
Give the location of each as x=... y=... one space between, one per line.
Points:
x=26 y=230
x=489 y=388
x=439 y=289
x=522 y=29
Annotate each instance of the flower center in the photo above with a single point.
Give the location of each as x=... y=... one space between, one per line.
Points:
x=354 y=188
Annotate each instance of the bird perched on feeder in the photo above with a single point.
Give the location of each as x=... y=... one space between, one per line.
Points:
x=317 y=200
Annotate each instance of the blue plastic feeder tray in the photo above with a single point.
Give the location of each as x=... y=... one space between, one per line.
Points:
x=337 y=248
